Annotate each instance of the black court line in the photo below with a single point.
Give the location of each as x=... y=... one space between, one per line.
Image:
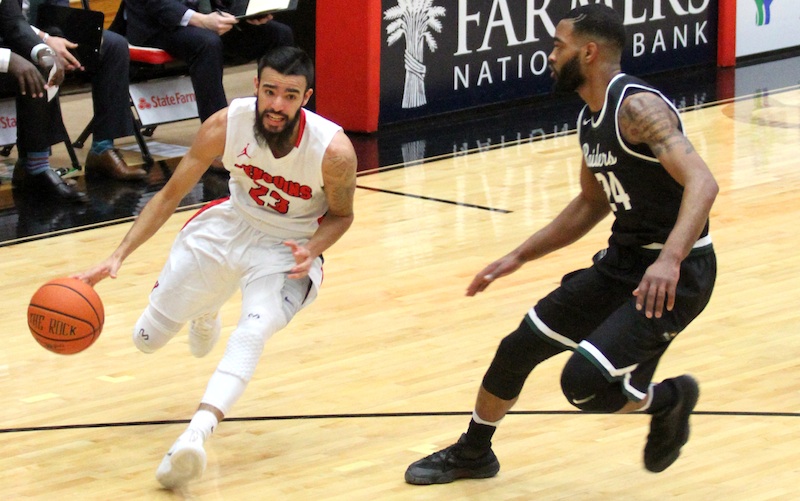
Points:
x=301 y=417
x=433 y=199
x=65 y=231
x=92 y=226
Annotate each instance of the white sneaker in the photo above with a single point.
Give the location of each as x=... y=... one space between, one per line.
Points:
x=185 y=461
x=204 y=333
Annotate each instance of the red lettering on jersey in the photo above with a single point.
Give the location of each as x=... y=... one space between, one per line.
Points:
x=267 y=190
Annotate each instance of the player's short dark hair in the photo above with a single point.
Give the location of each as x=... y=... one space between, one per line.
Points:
x=600 y=21
x=289 y=61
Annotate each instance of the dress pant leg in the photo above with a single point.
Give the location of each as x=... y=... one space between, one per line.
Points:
x=112 y=110
x=39 y=121
x=202 y=51
x=248 y=42
x=39 y=124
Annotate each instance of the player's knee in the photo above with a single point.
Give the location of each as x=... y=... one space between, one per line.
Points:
x=141 y=339
x=517 y=355
x=152 y=331
x=587 y=388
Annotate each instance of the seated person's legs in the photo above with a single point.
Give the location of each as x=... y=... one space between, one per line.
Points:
x=112 y=112
x=248 y=42
x=39 y=125
x=202 y=51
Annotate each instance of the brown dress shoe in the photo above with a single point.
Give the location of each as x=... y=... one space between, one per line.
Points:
x=110 y=164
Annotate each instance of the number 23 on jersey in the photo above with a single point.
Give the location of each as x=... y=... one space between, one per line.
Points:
x=259 y=194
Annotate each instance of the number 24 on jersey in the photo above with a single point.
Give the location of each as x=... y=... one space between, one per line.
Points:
x=615 y=192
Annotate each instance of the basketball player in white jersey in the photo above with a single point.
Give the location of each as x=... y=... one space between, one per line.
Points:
x=292 y=180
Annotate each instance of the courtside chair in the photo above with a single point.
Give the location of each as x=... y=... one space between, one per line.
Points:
x=147 y=63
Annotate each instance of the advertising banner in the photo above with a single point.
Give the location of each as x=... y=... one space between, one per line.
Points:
x=446 y=55
x=766 y=25
x=165 y=100
x=8 y=121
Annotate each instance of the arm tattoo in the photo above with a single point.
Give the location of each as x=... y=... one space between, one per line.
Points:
x=645 y=118
x=338 y=184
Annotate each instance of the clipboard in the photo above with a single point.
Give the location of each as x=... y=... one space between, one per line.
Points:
x=251 y=9
x=84 y=27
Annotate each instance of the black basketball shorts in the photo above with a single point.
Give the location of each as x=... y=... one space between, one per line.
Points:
x=594 y=313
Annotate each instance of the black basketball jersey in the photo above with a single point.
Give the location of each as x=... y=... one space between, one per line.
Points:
x=645 y=199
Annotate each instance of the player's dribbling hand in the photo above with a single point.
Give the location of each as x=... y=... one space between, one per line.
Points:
x=107 y=268
x=302 y=259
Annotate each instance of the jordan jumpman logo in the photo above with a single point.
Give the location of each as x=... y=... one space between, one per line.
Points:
x=244 y=152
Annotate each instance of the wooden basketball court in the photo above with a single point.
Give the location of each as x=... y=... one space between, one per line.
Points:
x=384 y=367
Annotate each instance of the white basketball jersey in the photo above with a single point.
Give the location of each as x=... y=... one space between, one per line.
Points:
x=279 y=196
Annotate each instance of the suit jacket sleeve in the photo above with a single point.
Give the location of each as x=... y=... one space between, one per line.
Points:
x=15 y=31
x=147 y=18
x=166 y=13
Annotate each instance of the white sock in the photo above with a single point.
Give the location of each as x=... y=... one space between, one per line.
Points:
x=204 y=422
x=649 y=398
x=477 y=419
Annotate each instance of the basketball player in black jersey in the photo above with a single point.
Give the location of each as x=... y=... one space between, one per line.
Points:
x=619 y=316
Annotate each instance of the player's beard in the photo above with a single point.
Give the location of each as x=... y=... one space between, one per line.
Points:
x=268 y=138
x=569 y=78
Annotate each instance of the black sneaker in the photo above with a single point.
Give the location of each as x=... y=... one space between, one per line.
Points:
x=669 y=429
x=451 y=464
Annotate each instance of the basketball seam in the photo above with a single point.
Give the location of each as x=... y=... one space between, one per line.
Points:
x=96 y=314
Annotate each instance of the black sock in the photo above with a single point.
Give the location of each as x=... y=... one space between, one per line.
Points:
x=664 y=397
x=479 y=438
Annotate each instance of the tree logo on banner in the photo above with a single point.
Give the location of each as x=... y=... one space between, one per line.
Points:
x=763 y=12
x=414 y=20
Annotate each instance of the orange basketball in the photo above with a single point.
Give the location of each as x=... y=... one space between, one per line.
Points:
x=65 y=316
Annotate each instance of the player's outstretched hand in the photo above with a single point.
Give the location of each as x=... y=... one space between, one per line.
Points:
x=504 y=266
x=302 y=259
x=107 y=268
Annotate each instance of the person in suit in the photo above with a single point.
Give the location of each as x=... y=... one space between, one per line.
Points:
x=23 y=60
x=112 y=111
x=193 y=31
